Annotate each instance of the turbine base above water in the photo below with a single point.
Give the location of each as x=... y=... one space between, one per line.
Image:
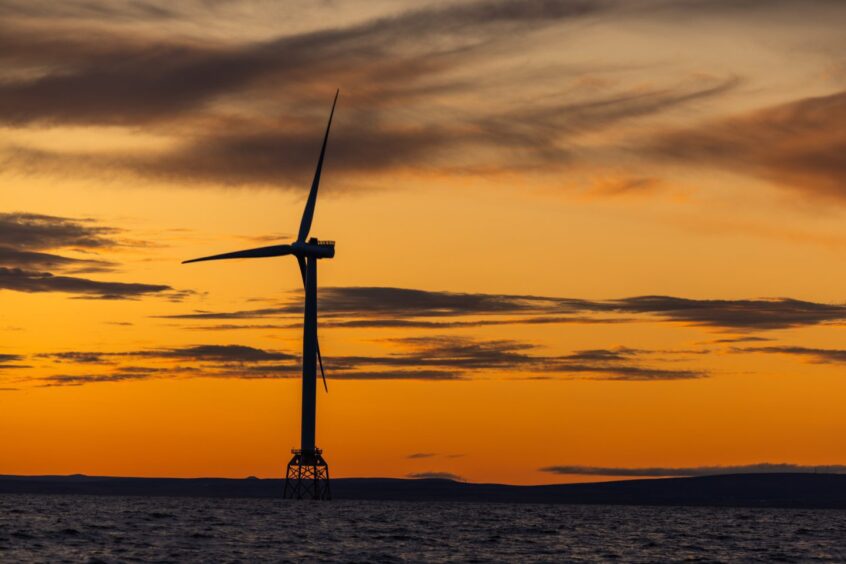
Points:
x=307 y=476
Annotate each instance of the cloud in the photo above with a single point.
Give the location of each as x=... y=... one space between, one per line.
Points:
x=219 y=361
x=835 y=356
x=403 y=302
x=40 y=260
x=59 y=380
x=619 y=364
x=626 y=186
x=800 y=144
x=628 y=373
x=541 y=125
x=75 y=357
x=387 y=304
x=453 y=14
x=423 y=375
x=762 y=468
x=24 y=262
x=457 y=352
x=205 y=353
x=138 y=78
x=746 y=339
x=433 y=359
x=278 y=152
x=435 y=476
x=391 y=69
x=760 y=314
x=464 y=357
x=423 y=324
x=9 y=361
x=359 y=307
x=36 y=282
x=427 y=455
x=224 y=353
x=383 y=323
x=734 y=8
x=84 y=9
x=241 y=314
x=28 y=231
x=263 y=154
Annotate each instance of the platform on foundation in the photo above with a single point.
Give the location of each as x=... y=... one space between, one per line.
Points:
x=307 y=476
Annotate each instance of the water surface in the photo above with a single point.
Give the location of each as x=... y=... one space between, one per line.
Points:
x=95 y=528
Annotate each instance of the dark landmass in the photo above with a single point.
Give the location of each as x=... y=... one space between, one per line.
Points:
x=823 y=491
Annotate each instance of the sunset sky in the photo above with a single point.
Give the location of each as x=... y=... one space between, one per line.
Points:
x=575 y=240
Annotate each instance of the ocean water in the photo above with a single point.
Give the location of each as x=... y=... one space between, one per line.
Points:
x=109 y=529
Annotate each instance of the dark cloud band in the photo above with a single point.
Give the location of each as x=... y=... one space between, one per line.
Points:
x=655 y=472
x=401 y=307
x=434 y=359
x=26 y=266
x=435 y=476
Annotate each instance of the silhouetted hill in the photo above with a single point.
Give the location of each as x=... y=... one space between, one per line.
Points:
x=741 y=490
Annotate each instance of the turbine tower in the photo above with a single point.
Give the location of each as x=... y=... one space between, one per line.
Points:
x=308 y=473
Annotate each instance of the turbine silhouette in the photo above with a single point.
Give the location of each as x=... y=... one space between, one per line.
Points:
x=308 y=473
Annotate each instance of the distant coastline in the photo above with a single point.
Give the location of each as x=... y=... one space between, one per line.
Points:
x=817 y=491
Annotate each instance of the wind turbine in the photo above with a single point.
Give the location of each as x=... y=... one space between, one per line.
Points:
x=308 y=473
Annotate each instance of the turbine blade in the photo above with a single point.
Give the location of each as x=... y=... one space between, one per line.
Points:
x=323 y=374
x=301 y=261
x=308 y=212
x=261 y=252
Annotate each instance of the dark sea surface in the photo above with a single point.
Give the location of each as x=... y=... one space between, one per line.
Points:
x=55 y=528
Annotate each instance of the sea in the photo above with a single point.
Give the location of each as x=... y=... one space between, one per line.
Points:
x=55 y=528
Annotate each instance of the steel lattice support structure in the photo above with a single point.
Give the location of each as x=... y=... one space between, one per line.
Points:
x=307 y=476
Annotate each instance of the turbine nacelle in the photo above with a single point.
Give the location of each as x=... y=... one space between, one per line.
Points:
x=314 y=248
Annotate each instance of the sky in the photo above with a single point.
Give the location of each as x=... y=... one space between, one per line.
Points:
x=575 y=239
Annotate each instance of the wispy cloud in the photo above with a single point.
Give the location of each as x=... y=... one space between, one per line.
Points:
x=799 y=144
x=762 y=468
x=820 y=355
x=757 y=314
x=24 y=260
x=435 y=476
x=36 y=282
x=90 y=9
x=246 y=109
x=387 y=302
x=404 y=307
x=410 y=374
x=44 y=261
x=184 y=87
x=11 y=361
x=29 y=231
x=435 y=359
x=219 y=353
x=140 y=78
x=741 y=339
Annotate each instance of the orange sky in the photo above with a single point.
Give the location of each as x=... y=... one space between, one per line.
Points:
x=574 y=239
